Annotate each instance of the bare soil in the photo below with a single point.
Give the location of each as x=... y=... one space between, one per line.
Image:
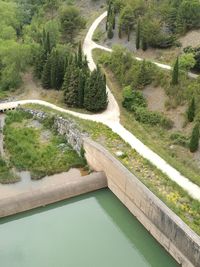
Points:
x=192 y=38
x=165 y=56
x=156 y=99
x=32 y=89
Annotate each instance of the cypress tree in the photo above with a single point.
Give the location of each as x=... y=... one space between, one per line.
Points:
x=60 y=72
x=95 y=97
x=71 y=87
x=54 y=69
x=110 y=32
x=120 y=31
x=43 y=38
x=175 y=73
x=194 y=141
x=48 y=44
x=191 y=110
x=113 y=20
x=46 y=74
x=81 y=89
x=39 y=62
x=80 y=55
x=144 y=44
x=138 y=35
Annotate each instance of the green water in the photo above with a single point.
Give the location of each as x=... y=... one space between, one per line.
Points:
x=94 y=230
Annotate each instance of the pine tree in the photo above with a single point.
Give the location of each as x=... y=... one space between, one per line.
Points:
x=46 y=74
x=175 y=73
x=95 y=97
x=191 y=110
x=194 y=141
x=138 y=35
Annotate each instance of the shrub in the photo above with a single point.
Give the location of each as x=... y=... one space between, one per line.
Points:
x=152 y=118
x=133 y=99
x=179 y=139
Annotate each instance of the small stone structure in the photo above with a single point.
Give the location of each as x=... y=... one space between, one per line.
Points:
x=70 y=130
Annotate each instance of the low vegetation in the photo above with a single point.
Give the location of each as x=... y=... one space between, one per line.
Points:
x=37 y=149
x=168 y=191
x=157 y=23
x=127 y=78
x=6 y=174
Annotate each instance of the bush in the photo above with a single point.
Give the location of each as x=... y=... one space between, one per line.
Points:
x=179 y=139
x=152 y=118
x=133 y=99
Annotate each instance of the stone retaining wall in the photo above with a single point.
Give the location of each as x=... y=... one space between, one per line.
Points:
x=53 y=192
x=169 y=230
x=66 y=127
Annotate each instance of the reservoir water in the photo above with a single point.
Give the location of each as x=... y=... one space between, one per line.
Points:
x=93 y=230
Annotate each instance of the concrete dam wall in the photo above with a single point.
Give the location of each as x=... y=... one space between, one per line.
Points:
x=169 y=230
x=51 y=192
x=166 y=227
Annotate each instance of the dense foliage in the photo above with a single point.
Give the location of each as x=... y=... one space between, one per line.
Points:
x=134 y=76
x=161 y=21
x=29 y=32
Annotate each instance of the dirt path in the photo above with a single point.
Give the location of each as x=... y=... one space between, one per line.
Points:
x=111 y=118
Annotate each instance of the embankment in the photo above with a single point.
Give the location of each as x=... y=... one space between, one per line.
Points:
x=169 y=230
x=50 y=192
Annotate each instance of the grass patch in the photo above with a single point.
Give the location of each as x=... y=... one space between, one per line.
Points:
x=6 y=174
x=27 y=151
x=168 y=191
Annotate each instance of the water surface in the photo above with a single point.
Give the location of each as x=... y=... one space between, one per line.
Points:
x=94 y=230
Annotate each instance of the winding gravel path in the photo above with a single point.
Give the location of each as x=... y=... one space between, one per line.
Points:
x=111 y=118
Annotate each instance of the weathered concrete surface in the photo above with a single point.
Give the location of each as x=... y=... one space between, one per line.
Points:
x=170 y=231
x=49 y=191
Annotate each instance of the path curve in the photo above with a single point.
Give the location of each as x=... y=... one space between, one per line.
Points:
x=111 y=118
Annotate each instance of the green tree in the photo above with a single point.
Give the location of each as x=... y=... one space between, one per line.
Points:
x=127 y=20
x=138 y=35
x=194 y=141
x=144 y=76
x=39 y=62
x=144 y=44
x=189 y=13
x=191 y=110
x=175 y=73
x=79 y=56
x=46 y=74
x=110 y=32
x=71 y=87
x=95 y=98
x=71 y=22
